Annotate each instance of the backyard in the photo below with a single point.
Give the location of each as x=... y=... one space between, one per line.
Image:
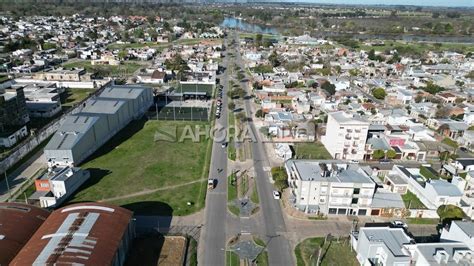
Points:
x=334 y=252
x=311 y=150
x=412 y=201
x=132 y=167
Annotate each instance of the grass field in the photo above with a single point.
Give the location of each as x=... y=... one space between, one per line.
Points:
x=73 y=96
x=333 y=253
x=126 y=68
x=420 y=47
x=231 y=258
x=132 y=162
x=422 y=220
x=311 y=150
x=412 y=201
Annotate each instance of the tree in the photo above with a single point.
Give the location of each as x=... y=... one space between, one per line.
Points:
x=379 y=93
x=122 y=54
x=435 y=15
x=354 y=72
x=448 y=213
x=330 y=88
x=259 y=113
x=258 y=40
x=281 y=184
x=231 y=106
x=378 y=154
x=391 y=154
x=273 y=58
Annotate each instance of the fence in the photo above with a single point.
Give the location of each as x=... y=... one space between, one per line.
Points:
x=181 y=114
x=423 y=213
x=30 y=143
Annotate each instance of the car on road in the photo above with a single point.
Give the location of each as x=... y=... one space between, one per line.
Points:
x=276 y=194
x=211 y=183
x=399 y=224
x=354 y=161
x=224 y=144
x=385 y=161
x=464 y=149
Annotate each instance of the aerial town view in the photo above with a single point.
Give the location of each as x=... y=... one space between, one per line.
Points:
x=220 y=133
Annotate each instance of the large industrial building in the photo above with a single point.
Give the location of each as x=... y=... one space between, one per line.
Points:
x=18 y=222
x=99 y=119
x=80 y=234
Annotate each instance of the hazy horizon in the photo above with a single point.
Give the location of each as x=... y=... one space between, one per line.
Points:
x=438 y=3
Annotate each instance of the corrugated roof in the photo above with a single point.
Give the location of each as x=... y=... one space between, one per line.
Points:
x=18 y=222
x=85 y=233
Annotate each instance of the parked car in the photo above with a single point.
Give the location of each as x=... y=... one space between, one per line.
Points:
x=211 y=182
x=224 y=144
x=276 y=194
x=399 y=224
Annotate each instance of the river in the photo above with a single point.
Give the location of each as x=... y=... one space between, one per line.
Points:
x=235 y=23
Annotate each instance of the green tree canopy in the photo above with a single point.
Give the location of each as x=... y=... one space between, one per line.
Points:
x=330 y=88
x=391 y=154
x=378 y=154
x=379 y=93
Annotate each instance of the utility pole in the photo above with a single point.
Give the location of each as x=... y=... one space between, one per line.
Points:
x=8 y=186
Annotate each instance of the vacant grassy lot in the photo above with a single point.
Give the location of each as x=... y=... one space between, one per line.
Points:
x=125 y=69
x=412 y=201
x=333 y=252
x=311 y=150
x=73 y=96
x=133 y=167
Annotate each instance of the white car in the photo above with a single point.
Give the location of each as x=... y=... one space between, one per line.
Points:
x=399 y=224
x=276 y=194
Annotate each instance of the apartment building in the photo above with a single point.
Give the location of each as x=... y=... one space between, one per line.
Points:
x=330 y=187
x=346 y=136
x=13 y=112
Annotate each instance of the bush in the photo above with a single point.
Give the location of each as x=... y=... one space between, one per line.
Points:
x=391 y=154
x=378 y=154
x=448 y=213
x=379 y=93
x=280 y=177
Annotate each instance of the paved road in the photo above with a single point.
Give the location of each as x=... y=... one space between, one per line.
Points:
x=21 y=175
x=274 y=227
x=213 y=237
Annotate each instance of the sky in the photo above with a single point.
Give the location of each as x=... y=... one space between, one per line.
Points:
x=444 y=3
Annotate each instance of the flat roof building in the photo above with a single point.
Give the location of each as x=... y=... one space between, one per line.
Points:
x=99 y=119
x=80 y=234
x=18 y=222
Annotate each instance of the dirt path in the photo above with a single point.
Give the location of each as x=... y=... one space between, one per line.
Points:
x=149 y=191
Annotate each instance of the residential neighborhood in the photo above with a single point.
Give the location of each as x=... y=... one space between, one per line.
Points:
x=212 y=134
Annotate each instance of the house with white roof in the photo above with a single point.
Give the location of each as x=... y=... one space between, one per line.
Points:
x=432 y=193
x=393 y=246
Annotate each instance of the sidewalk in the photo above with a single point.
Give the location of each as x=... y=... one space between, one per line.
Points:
x=21 y=175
